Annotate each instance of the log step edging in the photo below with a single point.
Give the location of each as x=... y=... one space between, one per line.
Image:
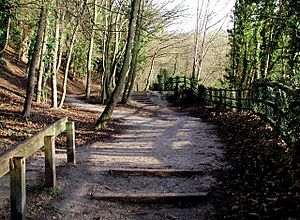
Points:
x=153 y=197
x=154 y=172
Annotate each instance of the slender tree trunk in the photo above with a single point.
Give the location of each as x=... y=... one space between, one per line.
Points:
x=90 y=55
x=116 y=55
x=105 y=116
x=269 y=52
x=196 y=38
x=69 y=58
x=6 y=36
x=108 y=63
x=105 y=43
x=202 y=54
x=135 y=55
x=34 y=59
x=175 y=65
x=60 y=45
x=23 y=51
x=131 y=77
x=150 y=72
x=42 y=66
x=64 y=93
x=55 y=56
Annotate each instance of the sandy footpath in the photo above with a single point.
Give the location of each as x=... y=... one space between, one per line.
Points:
x=155 y=137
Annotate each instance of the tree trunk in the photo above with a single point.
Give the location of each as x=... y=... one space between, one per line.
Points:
x=131 y=78
x=55 y=56
x=34 y=59
x=42 y=66
x=60 y=45
x=64 y=93
x=6 y=35
x=90 y=55
x=23 y=51
x=205 y=30
x=196 y=39
x=105 y=116
x=108 y=59
x=135 y=55
x=106 y=42
x=175 y=65
x=150 y=72
x=111 y=82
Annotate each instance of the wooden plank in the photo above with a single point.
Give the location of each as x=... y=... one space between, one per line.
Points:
x=4 y=167
x=31 y=145
x=17 y=187
x=154 y=197
x=154 y=172
x=71 y=153
x=50 y=170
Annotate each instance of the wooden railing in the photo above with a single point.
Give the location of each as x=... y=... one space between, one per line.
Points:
x=271 y=101
x=13 y=162
x=174 y=82
x=276 y=103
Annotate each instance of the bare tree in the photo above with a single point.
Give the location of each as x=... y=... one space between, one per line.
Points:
x=42 y=65
x=205 y=21
x=81 y=10
x=55 y=54
x=135 y=56
x=90 y=54
x=106 y=114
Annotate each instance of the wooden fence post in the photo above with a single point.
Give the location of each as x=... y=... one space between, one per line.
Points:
x=210 y=95
x=17 y=187
x=276 y=114
x=220 y=96
x=225 y=97
x=171 y=84
x=177 y=82
x=184 y=82
x=50 y=170
x=249 y=97
x=71 y=153
x=239 y=99
x=202 y=93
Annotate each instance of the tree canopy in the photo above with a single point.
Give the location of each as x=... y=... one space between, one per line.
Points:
x=264 y=42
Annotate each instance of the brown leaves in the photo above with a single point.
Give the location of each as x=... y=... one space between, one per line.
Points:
x=264 y=182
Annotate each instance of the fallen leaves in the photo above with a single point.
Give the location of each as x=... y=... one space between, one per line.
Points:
x=264 y=180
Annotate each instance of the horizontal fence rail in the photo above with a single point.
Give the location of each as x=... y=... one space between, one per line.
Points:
x=13 y=161
x=276 y=103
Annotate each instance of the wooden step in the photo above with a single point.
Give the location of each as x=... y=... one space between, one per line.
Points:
x=153 y=197
x=143 y=101
x=154 y=172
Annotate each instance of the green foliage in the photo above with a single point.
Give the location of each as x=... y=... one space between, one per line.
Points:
x=79 y=57
x=54 y=192
x=264 y=43
x=5 y=9
x=15 y=39
x=5 y=13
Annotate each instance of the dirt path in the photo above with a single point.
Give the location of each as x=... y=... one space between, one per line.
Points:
x=155 y=138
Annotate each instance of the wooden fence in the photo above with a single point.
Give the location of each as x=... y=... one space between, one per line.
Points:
x=276 y=103
x=13 y=162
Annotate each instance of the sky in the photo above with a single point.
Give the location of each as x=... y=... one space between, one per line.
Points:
x=188 y=22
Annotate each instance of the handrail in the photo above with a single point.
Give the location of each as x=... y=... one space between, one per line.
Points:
x=31 y=145
x=13 y=161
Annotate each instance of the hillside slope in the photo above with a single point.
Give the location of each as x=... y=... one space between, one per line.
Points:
x=13 y=127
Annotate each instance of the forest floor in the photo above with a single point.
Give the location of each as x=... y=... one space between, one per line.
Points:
x=247 y=171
